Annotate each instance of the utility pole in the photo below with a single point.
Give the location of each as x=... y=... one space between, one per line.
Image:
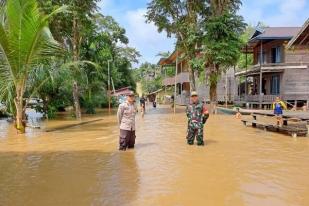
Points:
x=226 y=100
x=109 y=86
x=176 y=68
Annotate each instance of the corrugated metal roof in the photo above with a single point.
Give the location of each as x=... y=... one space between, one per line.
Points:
x=275 y=33
x=280 y=32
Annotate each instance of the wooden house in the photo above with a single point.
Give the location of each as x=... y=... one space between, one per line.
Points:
x=281 y=60
x=181 y=79
x=226 y=88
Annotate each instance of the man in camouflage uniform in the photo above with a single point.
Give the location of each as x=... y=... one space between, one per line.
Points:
x=197 y=115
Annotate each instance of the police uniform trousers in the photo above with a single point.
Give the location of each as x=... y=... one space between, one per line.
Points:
x=127 y=139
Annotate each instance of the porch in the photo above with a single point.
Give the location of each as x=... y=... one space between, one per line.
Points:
x=182 y=83
x=262 y=85
x=255 y=100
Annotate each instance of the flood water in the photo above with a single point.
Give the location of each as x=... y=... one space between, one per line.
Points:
x=81 y=165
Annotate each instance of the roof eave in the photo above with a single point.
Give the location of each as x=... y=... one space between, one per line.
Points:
x=292 y=41
x=269 y=38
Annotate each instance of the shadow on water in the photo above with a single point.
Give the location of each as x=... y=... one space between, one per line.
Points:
x=210 y=141
x=68 y=178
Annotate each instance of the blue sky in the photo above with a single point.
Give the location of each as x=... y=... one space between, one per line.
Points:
x=145 y=38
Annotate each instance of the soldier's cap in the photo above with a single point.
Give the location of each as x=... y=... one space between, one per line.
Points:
x=194 y=93
x=130 y=94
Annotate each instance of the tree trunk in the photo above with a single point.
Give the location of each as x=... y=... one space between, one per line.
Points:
x=192 y=79
x=213 y=97
x=76 y=101
x=75 y=42
x=20 y=113
x=45 y=106
x=213 y=88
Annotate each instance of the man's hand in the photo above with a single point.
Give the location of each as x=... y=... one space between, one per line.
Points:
x=205 y=117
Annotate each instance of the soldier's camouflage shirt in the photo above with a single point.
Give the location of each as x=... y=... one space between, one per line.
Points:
x=195 y=114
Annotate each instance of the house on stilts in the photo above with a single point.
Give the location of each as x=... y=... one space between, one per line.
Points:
x=281 y=67
x=226 y=88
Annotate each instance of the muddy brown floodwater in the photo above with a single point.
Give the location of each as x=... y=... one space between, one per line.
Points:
x=82 y=166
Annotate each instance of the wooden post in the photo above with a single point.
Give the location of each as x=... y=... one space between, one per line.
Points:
x=285 y=122
x=246 y=82
x=181 y=86
x=261 y=76
x=109 y=85
x=164 y=78
x=226 y=89
x=175 y=92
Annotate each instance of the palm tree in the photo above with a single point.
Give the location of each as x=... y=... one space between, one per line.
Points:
x=25 y=42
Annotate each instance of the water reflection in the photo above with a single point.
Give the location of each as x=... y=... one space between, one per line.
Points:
x=70 y=178
x=81 y=165
x=3 y=128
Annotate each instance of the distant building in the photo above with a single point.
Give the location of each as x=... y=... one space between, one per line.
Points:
x=281 y=60
x=121 y=92
x=226 y=88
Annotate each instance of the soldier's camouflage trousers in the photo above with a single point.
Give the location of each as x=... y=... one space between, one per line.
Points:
x=195 y=132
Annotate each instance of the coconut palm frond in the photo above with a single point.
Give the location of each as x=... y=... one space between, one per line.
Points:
x=25 y=42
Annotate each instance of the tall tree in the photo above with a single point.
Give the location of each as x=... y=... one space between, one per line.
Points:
x=222 y=40
x=70 y=29
x=25 y=41
x=181 y=19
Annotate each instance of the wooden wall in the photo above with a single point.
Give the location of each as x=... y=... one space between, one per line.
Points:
x=294 y=55
x=203 y=88
x=267 y=49
x=297 y=55
x=295 y=84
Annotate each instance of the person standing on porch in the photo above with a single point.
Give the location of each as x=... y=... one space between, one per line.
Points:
x=126 y=119
x=197 y=114
x=278 y=106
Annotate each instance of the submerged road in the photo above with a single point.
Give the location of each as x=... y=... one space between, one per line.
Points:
x=81 y=165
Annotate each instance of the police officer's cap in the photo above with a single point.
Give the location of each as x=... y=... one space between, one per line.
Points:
x=194 y=93
x=130 y=93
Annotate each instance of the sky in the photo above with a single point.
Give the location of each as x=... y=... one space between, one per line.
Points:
x=149 y=42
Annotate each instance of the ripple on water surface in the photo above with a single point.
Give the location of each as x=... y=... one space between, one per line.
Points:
x=81 y=165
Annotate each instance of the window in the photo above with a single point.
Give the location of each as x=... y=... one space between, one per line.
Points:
x=276 y=55
x=263 y=59
x=275 y=85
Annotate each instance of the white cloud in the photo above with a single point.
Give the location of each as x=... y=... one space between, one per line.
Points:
x=142 y=36
x=276 y=12
x=145 y=37
x=292 y=8
x=290 y=13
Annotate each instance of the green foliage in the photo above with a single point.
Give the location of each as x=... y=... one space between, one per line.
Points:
x=150 y=76
x=33 y=64
x=222 y=41
x=152 y=85
x=181 y=19
x=207 y=32
x=198 y=63
x=25 y=42
x=242 y=59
